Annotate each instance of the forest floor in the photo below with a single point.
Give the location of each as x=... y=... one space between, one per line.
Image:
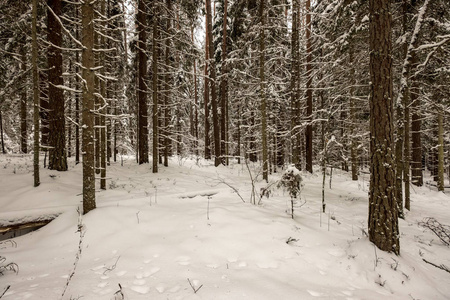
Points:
x=184 y=233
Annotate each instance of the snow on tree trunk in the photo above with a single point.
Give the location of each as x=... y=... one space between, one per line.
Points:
x=383 y=220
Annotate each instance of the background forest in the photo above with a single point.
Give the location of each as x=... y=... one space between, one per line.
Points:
x=270 y=81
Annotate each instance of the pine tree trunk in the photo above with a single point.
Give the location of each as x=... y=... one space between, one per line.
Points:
x=36 y=147
x=102 y=118
x=440 y=182
x=142 y=85
x=223 y=87
x=167 y=85
x=57 y=138
x=206 y=95
x=383 y=212
x=262 y=79
x=295 y=95
x=309 y=131
x=155 y=38
x=212 y=84
x=195 y=99
x=23 y=102
x=87 y=34
x=353 y=149
x=1 y=134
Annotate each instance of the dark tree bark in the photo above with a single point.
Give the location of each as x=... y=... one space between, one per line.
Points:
x=102 y=119
x=1 y=134
x=23 y=102
x=206 y=95
x=155 y=53
x=224 y=88
x=87 y=34
x=309 y=131
x=34 y=55
x=57 y=137
x=295 y=91
x=142 y=86
x=77 y=98
x=262 y=79
x=167 y=85
x=383 y=212
x=212 y=84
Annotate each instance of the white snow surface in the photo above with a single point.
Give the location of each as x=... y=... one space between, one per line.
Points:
x=150 y=234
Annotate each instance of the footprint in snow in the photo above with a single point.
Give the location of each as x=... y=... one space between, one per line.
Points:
x=337 y=252
x=102 y=284
x=175 y=289
x=139 y=282
x=184 y=260
x=314 y=293
x=140 y=289
x=121 y=273
x=160 y=288
x=242 y=264
x=267 y=265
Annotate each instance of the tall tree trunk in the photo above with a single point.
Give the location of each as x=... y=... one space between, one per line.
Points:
x=142 y=87
x=34 y=55
x=102 y=118
x=440 y=150
x=206 y=95
x=223 y=87
x=155 y=53
x=23 y=102
x=309 y=131
x=353 y=146
x=44 y=113
x=262 y=83
x=295 y=91
x=383 y=212
x=88 y=75
x=212 y=82
x=195 y=100
x=57 y=138
x=167 y=85
x=1 y=133
x=77 y=96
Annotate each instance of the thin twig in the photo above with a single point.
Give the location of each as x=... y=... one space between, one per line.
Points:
x=193 y=288
x=442 y=267
x=4 y=292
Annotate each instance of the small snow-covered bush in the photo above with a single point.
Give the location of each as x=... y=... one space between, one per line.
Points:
x=291 y=181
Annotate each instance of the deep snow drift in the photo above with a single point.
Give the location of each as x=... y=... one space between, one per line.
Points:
x=184 y=233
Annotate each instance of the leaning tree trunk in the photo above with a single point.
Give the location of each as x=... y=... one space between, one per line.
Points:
x=57 y=137
x=383 y=213
x=87 y=120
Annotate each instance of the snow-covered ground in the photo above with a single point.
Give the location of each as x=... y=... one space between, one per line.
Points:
x=184 y=234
